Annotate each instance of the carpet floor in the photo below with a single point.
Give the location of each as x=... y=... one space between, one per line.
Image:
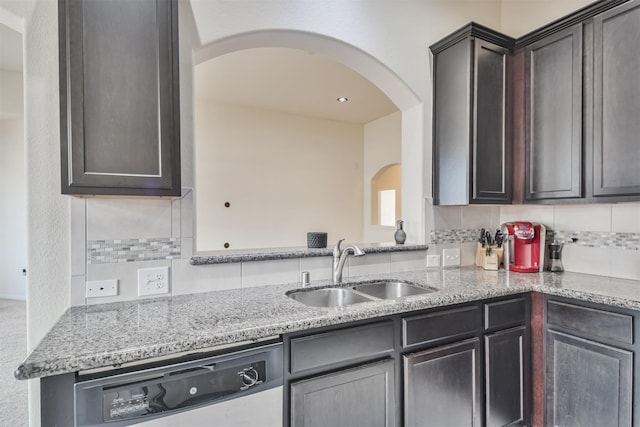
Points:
x=13 y=349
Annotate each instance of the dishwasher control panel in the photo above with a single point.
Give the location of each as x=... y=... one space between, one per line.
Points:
x=130 y=398
x=178 y=390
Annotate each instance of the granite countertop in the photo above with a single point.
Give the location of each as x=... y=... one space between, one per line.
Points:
x=264 y=254
x=113 y=334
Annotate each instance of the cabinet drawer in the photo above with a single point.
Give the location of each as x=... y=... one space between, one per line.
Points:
x=505 y=313
x=340 y=346
x=431 y=327
x=590 y=322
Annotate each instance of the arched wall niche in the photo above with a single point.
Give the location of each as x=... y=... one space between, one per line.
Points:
x=388 y=178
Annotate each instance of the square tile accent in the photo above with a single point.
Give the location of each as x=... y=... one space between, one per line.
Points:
x=189 y=279
x=128 y=218
x=259 y=273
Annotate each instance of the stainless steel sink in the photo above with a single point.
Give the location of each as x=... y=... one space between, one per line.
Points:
x=391 y=289
x=329 y=297
x=357 y=292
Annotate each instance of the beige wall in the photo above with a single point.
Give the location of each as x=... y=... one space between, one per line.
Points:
x=520 y=17
x=382 y=147
x=11 y=104
x=283 y=175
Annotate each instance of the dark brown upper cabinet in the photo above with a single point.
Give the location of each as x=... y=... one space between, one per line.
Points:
x=553 y=116
x=471 y=117
x=581 y=103
x=616 y=102
x=119 y=97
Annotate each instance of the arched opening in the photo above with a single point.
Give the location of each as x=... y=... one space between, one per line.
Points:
x=410 y=118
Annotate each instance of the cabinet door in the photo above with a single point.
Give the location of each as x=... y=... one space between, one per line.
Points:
x=616 y=128
x=119 y=98
x=553 y=109
x=442 y=386
x=507 y=378
x=491 y=125
x=587 y=383
x=356 y=397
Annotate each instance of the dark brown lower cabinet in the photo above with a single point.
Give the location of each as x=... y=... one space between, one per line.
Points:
x=507 y=378
x=448 y=366
x=442 y=386
x=363 y=396
x=587 y=383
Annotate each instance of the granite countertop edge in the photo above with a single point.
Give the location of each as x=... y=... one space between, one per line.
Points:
x=69 y=348
x=289 y=253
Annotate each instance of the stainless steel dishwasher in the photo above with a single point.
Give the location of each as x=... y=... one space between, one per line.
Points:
x=239 y=389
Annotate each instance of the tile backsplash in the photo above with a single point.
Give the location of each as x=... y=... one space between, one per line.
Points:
x=113 y=238
x=601 y=239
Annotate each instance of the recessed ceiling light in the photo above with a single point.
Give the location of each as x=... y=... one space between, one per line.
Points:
x=343 y=99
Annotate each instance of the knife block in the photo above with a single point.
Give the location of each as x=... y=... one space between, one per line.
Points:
x=492 y=260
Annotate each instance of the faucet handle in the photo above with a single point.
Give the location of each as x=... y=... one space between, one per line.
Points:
x=336 y=248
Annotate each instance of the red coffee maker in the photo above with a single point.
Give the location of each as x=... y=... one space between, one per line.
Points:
x=524 y=246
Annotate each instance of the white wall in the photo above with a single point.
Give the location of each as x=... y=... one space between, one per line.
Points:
x=283 y=175
x=11 y=103
x=47 y=210
x=382 y=146
x=13 y=214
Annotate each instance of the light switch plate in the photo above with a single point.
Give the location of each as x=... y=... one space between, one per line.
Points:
x=153 y=281
x=433 y=260
x=450 y=257
x=101 y=288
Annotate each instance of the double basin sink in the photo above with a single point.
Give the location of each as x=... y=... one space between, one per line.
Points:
x=357 y=293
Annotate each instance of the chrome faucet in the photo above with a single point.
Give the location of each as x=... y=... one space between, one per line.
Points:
x=340 y=257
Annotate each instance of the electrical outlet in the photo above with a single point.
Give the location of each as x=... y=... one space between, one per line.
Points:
x=153 y=281
x=433 y=260
x=450 y=257
x=102 y=288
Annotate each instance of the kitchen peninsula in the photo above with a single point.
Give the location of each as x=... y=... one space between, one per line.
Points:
x=119 y=335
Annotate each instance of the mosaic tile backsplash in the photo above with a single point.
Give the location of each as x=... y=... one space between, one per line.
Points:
x=592 y=239
x=131 y=250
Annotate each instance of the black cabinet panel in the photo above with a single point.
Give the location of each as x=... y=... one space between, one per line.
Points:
x=501 y=314
x=590 y=322
x=441 y=325
x=491 y=146
x=451 y=127
x=357 y=397
x=442 y=386
x=342 y=346
x=471 y=119
x=553 y=91
x=616 y=124
x=507 y=378
x=119 y=95
x=587 y=383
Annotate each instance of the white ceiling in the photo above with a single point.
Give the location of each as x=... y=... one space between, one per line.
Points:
x=10 y=49
x=291 y=81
